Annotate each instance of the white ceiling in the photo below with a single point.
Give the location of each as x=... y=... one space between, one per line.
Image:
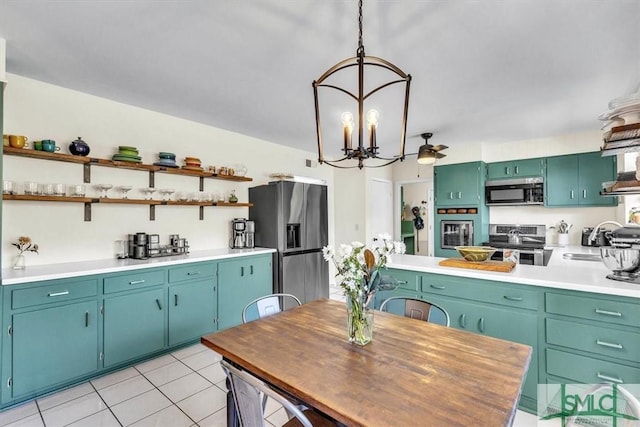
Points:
x=491 y=70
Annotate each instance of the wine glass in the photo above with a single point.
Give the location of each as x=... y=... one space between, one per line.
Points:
x=123 y=189
x=148 y=193
x=166 y=193
x=104 y=189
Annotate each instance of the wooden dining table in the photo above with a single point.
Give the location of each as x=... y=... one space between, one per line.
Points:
x=412 y=373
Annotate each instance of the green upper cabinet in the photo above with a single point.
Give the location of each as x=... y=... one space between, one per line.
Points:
x=459 y=185
x=576 y=180
x=516 y=169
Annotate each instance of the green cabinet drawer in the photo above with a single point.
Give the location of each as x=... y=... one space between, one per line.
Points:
x=409 y=280
x=134 y=280
x=194 y=271
x=595 y=339
x=589 y=371
x=601 y=310
x=54 y=292
x=480 y=290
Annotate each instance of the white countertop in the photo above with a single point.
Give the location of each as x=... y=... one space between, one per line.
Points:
x=74 y=269
x=586 y=276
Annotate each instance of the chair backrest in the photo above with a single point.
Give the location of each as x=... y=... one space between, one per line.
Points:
x=267 y=305
x=416 y=309
x=249 y=396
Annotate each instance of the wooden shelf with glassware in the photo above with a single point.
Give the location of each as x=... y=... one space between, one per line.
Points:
x=87 y=161
x=151 y=169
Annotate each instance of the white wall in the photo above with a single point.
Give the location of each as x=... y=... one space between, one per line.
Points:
x=42 y=111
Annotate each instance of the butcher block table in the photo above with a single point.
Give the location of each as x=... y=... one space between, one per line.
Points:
x=412 y=373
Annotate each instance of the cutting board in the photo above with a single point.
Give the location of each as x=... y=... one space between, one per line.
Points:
x=500 y=266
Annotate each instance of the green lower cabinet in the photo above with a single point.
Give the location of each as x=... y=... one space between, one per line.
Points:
x=515 y=325
x=52 y=346
x=192 y=311
x=239 y=282
x=134 y=325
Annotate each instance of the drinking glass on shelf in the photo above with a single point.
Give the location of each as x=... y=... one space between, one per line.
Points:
x=59 y=190
x=148 y=193
x=31 y=188
x=77 y=190
x=123 y=189
x=47 y=189
x=8 y=187
x=104 y=188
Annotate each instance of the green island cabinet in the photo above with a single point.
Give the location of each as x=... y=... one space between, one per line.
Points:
x=60 y=332
x=576 y=180
x=524 y=168
x=577 y=337
x=459 y=185
x=591 y=338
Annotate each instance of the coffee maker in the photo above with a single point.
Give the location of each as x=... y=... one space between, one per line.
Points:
x=238 y=233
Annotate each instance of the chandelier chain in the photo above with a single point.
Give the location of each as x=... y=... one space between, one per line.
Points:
x=360 y=43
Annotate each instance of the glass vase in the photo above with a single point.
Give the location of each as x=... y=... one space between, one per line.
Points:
x=359 y=321
x=19 y=262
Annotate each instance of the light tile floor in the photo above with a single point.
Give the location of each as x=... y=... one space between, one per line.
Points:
x=185 y=388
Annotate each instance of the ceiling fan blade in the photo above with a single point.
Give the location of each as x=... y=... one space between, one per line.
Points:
x=439 y=147
x=439 y=155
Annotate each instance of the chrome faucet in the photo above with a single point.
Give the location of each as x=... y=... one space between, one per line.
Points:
x=594 y=233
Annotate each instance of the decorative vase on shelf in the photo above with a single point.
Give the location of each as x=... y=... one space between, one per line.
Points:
x=19 y=262
x=359 y=319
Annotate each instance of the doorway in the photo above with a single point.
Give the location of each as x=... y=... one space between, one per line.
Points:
x=414 y=199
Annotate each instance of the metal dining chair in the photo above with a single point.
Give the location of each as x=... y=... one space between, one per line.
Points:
x=268 y=305
x=416 y=309
x=250 y=398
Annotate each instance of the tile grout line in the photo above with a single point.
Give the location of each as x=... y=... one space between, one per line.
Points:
x=167 y=397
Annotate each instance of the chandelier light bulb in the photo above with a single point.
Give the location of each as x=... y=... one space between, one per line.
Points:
x=372 y=117
x=347 y=119
x=347 y=128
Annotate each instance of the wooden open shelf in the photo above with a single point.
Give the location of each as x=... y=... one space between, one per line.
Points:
x=151 y=169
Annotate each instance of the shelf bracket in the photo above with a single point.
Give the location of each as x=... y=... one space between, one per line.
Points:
x=152 y=179
x=201 y=213
x=86 y=173
x=87 y=211
x=201 y=184
x=152 y=212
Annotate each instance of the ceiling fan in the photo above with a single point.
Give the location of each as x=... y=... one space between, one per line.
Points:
x=427 y=153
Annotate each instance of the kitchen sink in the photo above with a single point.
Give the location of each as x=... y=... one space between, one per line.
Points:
x=582 y=257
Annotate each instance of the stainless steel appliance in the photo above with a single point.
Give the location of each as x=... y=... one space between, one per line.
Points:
x=139 y=242
x=250 y=234
x=292 y=218
x=238 y=229
x=456 y=233
x=512 y=192
x=623 y=256
x=600 y=239
x=531 y=244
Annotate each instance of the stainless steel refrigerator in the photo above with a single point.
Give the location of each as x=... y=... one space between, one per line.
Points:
x=292 y=218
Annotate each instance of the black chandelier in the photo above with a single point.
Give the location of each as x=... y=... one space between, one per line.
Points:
x=380 y=68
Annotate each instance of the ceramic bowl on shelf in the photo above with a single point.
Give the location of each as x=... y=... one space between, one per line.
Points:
x=475 y=253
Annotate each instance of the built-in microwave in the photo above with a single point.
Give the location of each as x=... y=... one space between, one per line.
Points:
x=511 y=192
